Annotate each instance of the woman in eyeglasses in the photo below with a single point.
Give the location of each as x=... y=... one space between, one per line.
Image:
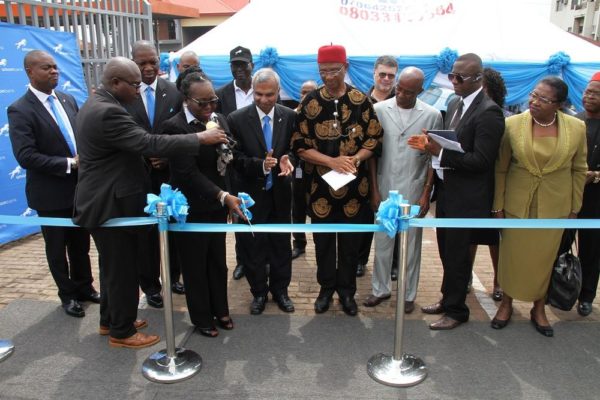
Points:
x=540 y=173
x=202 y=255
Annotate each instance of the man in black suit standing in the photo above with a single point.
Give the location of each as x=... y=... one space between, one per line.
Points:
x=112 y=183
x=233 y=96
x=159 y=100
x=261 y=157
x=465 y=184
x=42 y=126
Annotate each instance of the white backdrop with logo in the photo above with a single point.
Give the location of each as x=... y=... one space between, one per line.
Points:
x=15 y=42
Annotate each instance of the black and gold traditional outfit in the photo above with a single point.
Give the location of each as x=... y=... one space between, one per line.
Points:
x=336 y=127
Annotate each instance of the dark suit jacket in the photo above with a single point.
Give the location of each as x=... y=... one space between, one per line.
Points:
x=251 y=149
x=469 y=183
x=40 y=148
x=226 y=95
x=196 y=175
x=167 y=104
x=113 y=180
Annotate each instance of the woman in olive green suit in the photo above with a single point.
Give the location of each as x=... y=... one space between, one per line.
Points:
x=540 y=173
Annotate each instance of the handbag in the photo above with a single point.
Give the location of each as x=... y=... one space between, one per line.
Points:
x=565 y=282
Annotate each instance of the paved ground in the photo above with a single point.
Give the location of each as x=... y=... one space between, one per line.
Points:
x=24 y=275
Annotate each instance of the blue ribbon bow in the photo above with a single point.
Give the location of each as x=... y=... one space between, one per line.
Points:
x=389 y=214
x=445 y=60
x=268 y=57
x=247 y=202
x=177 y=205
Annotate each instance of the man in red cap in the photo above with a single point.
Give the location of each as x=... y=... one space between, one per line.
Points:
x=589 y=252
x=337 y=131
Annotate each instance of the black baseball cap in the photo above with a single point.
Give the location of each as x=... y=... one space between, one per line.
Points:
x=240 y=54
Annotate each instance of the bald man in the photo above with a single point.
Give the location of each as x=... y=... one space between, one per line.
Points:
x=187 y=60
x=406 y=170
x=113 y=182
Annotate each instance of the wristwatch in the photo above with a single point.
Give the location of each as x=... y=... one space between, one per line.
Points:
x=596 y=176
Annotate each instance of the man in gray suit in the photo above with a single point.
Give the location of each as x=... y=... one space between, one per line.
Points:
x=406 y=170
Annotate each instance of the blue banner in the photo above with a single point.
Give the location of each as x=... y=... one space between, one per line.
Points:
x=15 y=42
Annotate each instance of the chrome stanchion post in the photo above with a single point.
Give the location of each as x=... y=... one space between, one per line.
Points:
x=172 y=364
x=399 y=369
x=6 y=349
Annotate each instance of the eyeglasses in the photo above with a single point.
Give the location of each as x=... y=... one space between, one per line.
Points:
x=541 y=99
x=594 y=94
x=133 y=85
x=202 y=103
x=383 y=75
x=463 y=78
x=330 y=72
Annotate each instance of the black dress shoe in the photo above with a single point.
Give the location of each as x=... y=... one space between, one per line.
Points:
x=444 y=324
x=322 y=303
x=545 y=330
x=409 y=307
x=433 y=309
x=154 y=300
x=93 y=297
x=284 y=302
x=258 y=305
x=178 y=288
x=584 y=308
x=238 y=272
x=360 y=270
x=297 y=252
x=500 y=323
x=394 y=274
x=349 y=305
x=73 y=308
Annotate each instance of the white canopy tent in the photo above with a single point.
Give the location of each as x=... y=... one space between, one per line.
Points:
x=289 y=33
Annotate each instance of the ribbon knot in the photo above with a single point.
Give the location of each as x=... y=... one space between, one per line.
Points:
x=247 y=202
x=268 y=57
x=557 y=62
x=389 y=214
x=176 y=203
x=445 y=60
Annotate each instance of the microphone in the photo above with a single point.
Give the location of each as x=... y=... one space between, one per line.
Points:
x=214 y=123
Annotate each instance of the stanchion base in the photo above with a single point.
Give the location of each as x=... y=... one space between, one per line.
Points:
x=163 y=369
x=408 y=371
x=6 y=349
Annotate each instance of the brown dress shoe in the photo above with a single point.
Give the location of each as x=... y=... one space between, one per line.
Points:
x=138 y=324
x=373 y=300
x=409 y=307
x=136 y=341
x=443 y=324
x=433 y=309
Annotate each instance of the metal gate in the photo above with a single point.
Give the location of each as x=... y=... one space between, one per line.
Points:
x=104 y=28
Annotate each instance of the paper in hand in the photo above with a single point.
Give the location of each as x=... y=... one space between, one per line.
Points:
x=337 y=179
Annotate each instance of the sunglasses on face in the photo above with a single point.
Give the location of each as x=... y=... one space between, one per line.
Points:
x=463 y=78
x=202 y=103
x=383 y=75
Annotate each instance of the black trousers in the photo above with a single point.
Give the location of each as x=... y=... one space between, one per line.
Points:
x=118 y=249
x=268 y=248
x=366 y=238
x=337 y=256
x=299 y=211
x=73 y=276
x=204 y=270
x=148 y=261
x=454 y=248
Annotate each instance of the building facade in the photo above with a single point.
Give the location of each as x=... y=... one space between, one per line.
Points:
x=580 y=17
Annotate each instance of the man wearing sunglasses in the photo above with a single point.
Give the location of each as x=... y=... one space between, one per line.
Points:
x=465 y=184
x=159 y=100
x=384 y=79
x=113 y=183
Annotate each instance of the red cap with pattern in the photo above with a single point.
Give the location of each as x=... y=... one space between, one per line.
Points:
x=333 y=53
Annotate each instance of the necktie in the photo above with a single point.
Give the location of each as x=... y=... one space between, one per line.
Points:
x=150 y=104
x=268 y=133
x=61 y=125
x=457 y=116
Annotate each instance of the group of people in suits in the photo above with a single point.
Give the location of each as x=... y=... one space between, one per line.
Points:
x=139 y=131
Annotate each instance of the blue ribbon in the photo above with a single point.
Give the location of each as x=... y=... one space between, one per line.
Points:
x=389 y=214
x=247 y=202
x=445 y=60
x=268 y=57
x=557 y=62
x=165 y=64
x=177 y=206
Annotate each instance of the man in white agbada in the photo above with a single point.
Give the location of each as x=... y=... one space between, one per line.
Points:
x=406 y=170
